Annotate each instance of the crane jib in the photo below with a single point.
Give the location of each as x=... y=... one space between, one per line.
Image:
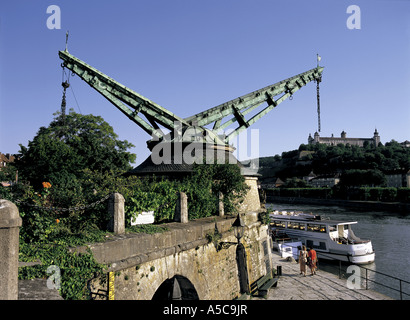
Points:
x=133 y=105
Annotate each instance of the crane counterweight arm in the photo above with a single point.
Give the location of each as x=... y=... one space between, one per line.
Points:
x=122 y=97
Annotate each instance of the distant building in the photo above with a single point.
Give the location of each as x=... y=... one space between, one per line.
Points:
x=333 y=141
x=398 y=179
x=406 y=144
x=5 y=159
x=309 y=177
x=324 y=181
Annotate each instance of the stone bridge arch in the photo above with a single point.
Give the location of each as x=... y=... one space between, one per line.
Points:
x=176 y=288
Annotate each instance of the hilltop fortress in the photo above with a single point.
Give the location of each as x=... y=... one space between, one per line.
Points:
x=333 y=141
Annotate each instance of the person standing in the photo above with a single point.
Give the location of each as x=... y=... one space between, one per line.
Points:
x=302 y=260
x=313 y=260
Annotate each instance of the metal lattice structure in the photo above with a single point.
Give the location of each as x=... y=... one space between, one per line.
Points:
x=134 y=105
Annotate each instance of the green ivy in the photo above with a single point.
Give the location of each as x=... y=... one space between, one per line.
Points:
x=75 y=268
x=46 y=235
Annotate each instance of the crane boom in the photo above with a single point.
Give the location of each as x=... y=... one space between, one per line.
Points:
x=132 y=103
x=241 y=106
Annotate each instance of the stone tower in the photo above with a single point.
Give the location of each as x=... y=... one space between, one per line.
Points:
x=376 y=138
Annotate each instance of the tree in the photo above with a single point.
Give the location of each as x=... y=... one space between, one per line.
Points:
x=357 y=177
x=207 y=181
x=62 y=151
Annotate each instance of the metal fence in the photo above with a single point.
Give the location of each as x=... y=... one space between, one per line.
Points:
x=379 y=281
x=370 y=279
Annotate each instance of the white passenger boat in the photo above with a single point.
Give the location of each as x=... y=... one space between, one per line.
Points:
x=332 y=240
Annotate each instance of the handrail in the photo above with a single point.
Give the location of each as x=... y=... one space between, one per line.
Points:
x=400 y=290
x=366 y=278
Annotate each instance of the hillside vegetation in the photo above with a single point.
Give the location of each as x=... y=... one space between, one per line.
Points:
x=366 y=165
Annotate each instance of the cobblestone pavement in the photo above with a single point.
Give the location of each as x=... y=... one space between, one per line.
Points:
x=322 y=286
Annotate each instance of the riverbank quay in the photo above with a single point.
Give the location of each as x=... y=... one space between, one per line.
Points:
x=400 y=207
x=322 y=286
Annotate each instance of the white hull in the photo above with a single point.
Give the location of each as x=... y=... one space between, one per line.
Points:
x=332 y=240
x=363 y=259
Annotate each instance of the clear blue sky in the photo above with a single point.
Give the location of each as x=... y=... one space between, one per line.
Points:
x=189 y=56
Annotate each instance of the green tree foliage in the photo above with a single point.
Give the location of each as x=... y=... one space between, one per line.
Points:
x=67 y=172
x=323 y=159
x=210 y=179
x=47 y=232
x=62 y=151
x=357 y=177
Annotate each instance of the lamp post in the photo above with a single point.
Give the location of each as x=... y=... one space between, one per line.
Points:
x=239 y=230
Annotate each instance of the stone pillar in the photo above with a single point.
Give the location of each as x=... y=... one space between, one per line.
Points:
x=117 y=214
x=10 y=222
x=221 y=204
x=181 y=209
x=251 y=201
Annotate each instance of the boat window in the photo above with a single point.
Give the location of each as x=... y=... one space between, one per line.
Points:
x=312 y=227
x=293 y=225
x=279 y=224
x=316 y=227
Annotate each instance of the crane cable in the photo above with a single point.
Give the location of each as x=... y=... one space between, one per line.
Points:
x=318 y=102
x=65 y=84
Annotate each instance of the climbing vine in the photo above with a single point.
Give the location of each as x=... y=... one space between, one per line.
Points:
x=73 y=269
x=55 y=220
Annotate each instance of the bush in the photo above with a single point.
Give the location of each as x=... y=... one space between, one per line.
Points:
x=375 y=194
x=55 y=218
x=389 y=194
x=403 y=194
x=321 y=193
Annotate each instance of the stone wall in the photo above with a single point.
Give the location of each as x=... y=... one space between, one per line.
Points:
x=142 y=263
x=251 y=202
x=255 y=237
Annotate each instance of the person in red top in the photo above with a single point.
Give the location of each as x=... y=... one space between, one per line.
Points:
x=313 y=261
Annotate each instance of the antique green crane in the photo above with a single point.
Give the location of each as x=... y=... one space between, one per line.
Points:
x=134 y=105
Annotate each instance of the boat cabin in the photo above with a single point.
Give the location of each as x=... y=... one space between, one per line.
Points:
x=338 y=231
x=333 y=239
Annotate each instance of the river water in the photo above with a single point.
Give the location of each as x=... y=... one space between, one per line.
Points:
x=390 y=236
